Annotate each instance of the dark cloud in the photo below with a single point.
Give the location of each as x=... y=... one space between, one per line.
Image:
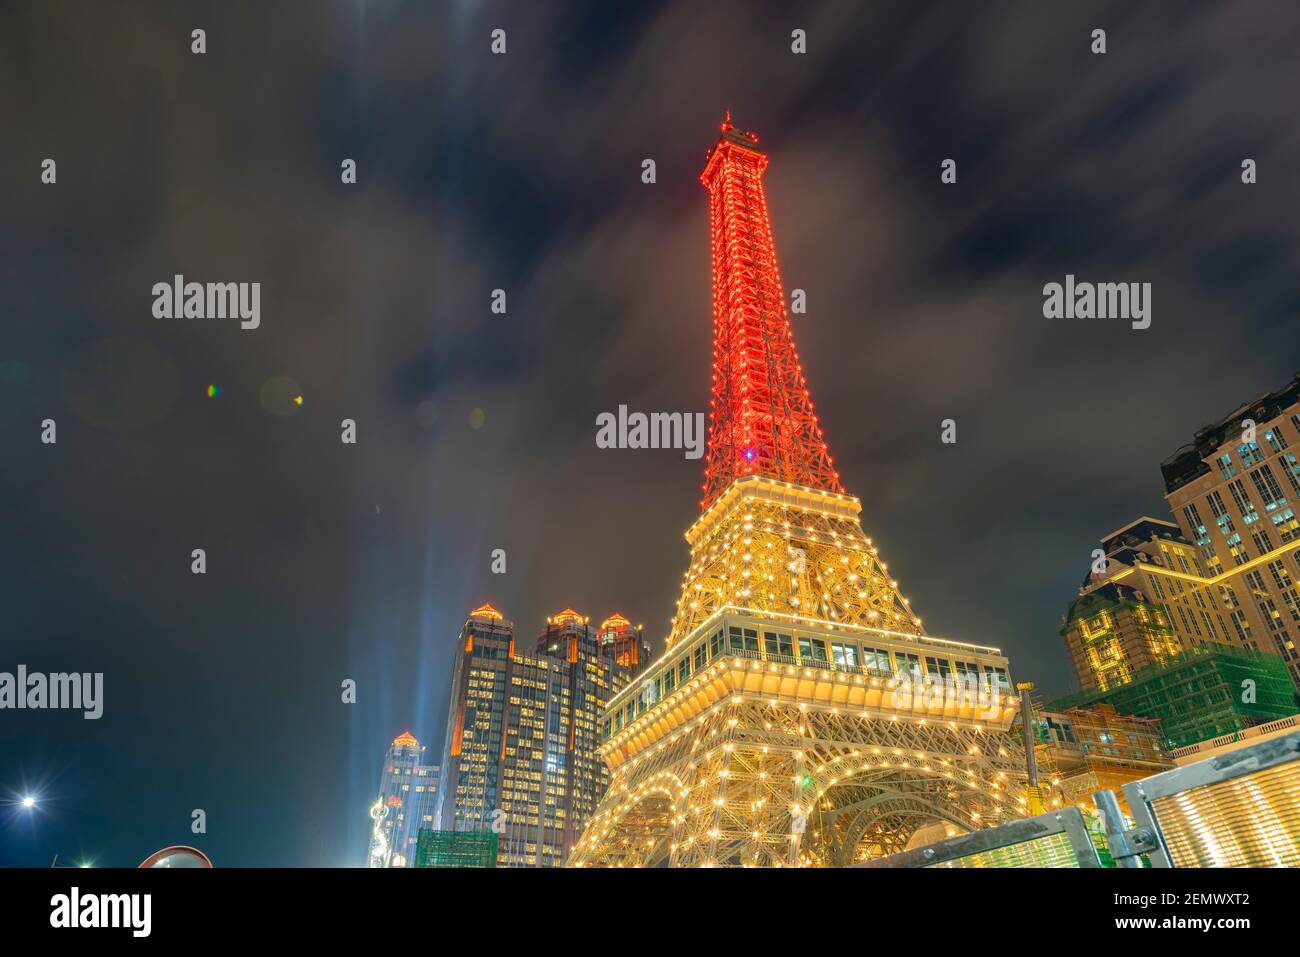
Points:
x=523 y=172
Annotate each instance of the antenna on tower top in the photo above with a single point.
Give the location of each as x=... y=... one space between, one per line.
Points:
x=726 y=124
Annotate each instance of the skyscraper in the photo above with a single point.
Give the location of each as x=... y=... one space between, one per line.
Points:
x=574 y=776
x=471 y=760
x=520 y=758
x=407 y=790
x=1234 y=493
x=1225 y=574
x=624 y=643
x=782 y=726
x=1181 y=615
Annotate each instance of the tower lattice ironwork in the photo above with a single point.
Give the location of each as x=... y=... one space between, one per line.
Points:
x=761 y=419
x=800 y=714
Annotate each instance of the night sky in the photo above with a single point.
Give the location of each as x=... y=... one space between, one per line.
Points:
x=327 y=561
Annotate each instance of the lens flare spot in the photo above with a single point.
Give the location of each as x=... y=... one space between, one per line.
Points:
x=280 y=395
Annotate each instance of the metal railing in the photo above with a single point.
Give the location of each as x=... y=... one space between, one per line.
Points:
x=1237 y=809
x=1056 y=839
x=1232 y=810
x=984 y=683
x=1225 y=739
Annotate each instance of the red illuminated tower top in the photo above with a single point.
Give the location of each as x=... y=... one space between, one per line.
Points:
x=761 y=419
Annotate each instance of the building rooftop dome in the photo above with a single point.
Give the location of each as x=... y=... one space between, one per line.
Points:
x=566 y=617
x=486 y=611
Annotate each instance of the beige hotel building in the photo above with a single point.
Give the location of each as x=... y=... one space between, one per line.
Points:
x=1225 y=573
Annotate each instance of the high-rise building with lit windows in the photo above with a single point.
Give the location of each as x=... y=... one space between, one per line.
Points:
x=600 y=664
x=624 y=643
x=520 y=758
x=1226 y=573
x=407 y=791
x=1182 y=614
x=1235 y=493
x=471 y=760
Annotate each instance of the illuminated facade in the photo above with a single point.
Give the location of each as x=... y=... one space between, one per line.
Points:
x=623 y=643
x=408 y=792
x=1129 y=618
x=1153 y=635
x=800 y=714
x=520 y=759
x=1234 y=492
x=1225 y=574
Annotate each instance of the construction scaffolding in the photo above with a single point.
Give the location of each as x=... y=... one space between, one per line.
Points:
x=1208 y=691
x=1098 y=748
x=456 y=848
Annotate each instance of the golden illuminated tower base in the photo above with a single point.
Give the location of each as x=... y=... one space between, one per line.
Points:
x=799 y=716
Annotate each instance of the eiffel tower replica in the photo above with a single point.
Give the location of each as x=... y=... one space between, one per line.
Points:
x=800 y=716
